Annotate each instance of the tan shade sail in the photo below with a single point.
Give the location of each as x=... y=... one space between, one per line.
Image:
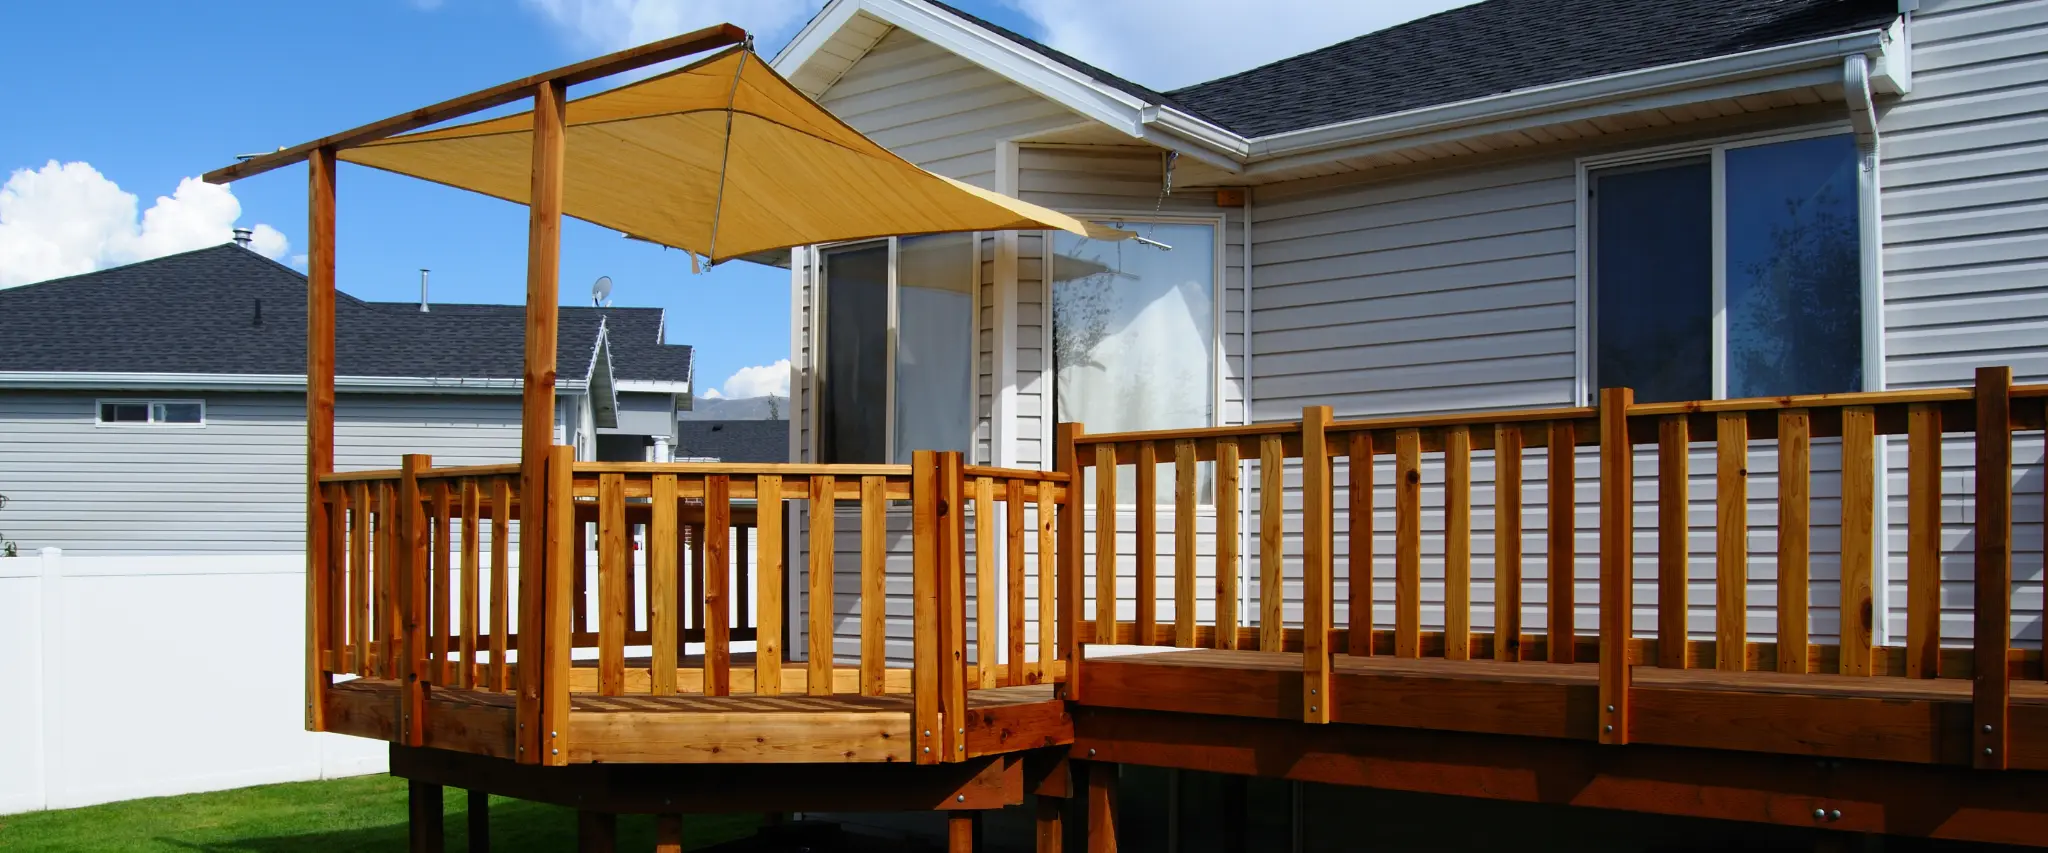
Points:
x=723 y=158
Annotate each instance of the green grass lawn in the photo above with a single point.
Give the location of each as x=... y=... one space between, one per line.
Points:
x=363 y=813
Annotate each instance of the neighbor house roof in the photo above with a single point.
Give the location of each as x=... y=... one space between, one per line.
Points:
x=1483 y=49
x=733 y=441
x=228 y=310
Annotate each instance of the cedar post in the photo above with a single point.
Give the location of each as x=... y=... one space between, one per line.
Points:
x=1991 y=695
x=926 y=532
x=1068 y=560
x=1617 y=561
x=479 y=820
x=1101 y=807
x=537 y=410
x=952 y=607
x=1318 y=587
x=319 y=423
x=413 y=673
x=424 y=818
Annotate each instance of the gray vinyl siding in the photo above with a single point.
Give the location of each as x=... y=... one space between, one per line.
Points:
x=644 y=414
x=1965 y=206
x=234 y=485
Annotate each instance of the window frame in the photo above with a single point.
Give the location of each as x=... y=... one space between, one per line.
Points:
x=821 y=302
x=1715 y=149
x=151 y=403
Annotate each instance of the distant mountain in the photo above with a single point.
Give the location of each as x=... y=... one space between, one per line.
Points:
x=737 y=409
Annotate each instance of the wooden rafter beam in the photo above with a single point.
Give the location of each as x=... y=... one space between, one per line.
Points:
x=631 y=58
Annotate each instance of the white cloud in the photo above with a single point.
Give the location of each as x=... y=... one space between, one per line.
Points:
x=713 y=394
x=1166 y=44
x=758 y=381
x=69 y=219
x=615 y=24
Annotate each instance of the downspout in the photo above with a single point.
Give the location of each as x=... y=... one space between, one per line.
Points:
x=1856 y=88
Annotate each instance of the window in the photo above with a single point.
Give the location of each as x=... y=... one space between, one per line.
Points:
x=897 y=348
x=141 y=412
x=1134 y=331
x=1734 y=272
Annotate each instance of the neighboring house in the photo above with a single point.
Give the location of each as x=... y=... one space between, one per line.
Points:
x=1507 y=205
x=732 y=441
x=159 y=407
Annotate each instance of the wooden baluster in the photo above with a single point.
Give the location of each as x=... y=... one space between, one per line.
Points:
x=468 y=674
x=1617 y=562
x=443 y=517
x=389 y=616
x=501 y=582
x=1991 y=693
x=985 y=616
x=412 y=589
x=1674 y=460
x=1795 y=440
x=1923 y=541
x=1227 y=492
x=1105 y=543
x=1457 y=543
x=612 y=577
x=874 y=617
x=818 y=670
x=1318 y=605
x=1408 y=543
x=717 y=585
x=1731 y=541
x=1272 y=496
x=1507 y=542
x=1146 y=507
x=359 y=576
x=1859 y=497
x=768 y=580
x=925 y=533
x=1048 y=582
x=661 y=583
x=1358 y=567
x=1561 y=642
x=1184 y=519
x=1014 y=496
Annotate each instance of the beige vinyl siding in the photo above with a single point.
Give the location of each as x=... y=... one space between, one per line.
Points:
x=1965 y=205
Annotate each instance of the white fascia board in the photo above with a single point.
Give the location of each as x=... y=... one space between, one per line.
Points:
x=1629 y=89
x=651 y=386
x=814 y=36
x=97 y=380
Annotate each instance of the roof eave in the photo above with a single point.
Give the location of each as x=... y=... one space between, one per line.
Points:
x=79 y=380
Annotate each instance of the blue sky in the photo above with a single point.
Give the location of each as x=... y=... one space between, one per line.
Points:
x=149 y=93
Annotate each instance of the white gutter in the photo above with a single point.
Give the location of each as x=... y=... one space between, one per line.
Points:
x=95 y=380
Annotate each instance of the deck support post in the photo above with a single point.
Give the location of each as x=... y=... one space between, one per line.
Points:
x=424 y=831
x=1101 y=807
x=1068 y=557
x=668 y=833
x=1617 y=561
x=963 y=831
x=1049 y=823
x=596 y=832
x=537 y=411
x=319 y=426
x=1318 y=586
x=1992 y=689
x=1236 y=817
x=478 y=818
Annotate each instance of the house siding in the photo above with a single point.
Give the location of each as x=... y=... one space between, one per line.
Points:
x=235 y=485
x=1965 y=209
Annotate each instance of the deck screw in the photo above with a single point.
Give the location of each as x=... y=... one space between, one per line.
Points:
x=960 y=798
x=1820 y=814
x=1311 y=691
x=1610 y=728
x=1091 y=753
x=554 y=752
x=927 y=750
x=1610 y=709
x=1987 y=728
x=1835 y=814
x=1312 y=709
x=551 y=734
x=1987 y=750
x=927 y=732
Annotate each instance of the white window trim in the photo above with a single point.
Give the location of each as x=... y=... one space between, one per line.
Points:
x=152 y=403
x=1716 y=150
x=1219 y=320
x=821 y=302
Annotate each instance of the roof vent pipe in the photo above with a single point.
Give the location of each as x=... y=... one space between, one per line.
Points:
x=423 y=290
x=243 y=236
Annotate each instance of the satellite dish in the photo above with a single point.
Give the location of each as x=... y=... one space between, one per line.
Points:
x=601 y=290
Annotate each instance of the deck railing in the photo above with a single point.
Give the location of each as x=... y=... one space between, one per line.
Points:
x=1658 y=438
x=653 y=577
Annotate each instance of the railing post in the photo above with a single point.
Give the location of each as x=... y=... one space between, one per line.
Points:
x=953 y=606
x=412 y=607
x=1617 y=561
x=1318 y=587
x=1993 y=629
x=925 y=559
x=1068 y=560
x=560 y=535
x=319 y=424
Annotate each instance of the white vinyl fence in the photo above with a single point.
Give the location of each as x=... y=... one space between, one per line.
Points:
x=125 y=677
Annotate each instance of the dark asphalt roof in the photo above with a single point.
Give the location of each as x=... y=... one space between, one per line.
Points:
x=733 y=441
x=228 y=310
x=1484 y=49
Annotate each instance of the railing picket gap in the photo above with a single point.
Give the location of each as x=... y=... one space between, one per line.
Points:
x=717 y=585
x=819 y=663
x=469 y=673
x=1105 y=543
x=985 y=616
x=1507 y=543
x=1358 y=565
x=1923 y=541
x=1731 y=540
x=768 y=580
x=1227 y=491
x=1457 y=543
x=1795 y=469
x=1674 y=550
x=1272 y=493
x=1184 y=520
x=874 y=618
x=1560 y=607
x=662 y=596
x=1408 y=543
x=612 y=576
x=1146 y=509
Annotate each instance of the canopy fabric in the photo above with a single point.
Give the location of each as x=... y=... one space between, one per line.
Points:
x=653 y=158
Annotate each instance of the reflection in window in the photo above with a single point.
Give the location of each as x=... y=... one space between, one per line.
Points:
x=185 y=412
x=1653 y=280
x=1795 y=318
x=934 y=343
x=852 y=420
